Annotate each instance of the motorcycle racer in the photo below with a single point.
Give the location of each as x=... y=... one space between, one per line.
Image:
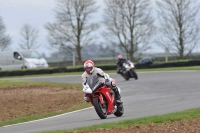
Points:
x=91 y=72
x=120 y=62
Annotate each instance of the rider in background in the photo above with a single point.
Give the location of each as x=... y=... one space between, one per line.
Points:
x=120 y=62
x=92 y=71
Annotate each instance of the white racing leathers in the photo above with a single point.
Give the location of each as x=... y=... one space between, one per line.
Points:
x=97 y=73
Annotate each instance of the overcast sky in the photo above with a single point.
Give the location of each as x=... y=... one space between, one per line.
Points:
x=16 y=13
x=37 y=13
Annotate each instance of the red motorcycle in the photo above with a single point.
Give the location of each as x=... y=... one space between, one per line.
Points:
x=102 y=98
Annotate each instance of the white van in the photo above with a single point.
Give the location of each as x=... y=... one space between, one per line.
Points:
x=11 y=60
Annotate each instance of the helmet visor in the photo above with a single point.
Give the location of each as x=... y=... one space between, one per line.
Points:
x=88 y=69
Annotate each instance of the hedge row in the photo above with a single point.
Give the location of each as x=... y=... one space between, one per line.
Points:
x=176 y=64
x=162 y=65
x=31 y=72
x=65 y=70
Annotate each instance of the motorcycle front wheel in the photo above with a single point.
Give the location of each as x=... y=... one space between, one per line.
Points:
x=135 y=74
x=100 y=108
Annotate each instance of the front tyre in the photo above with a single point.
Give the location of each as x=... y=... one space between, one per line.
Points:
x=100 y=108
x=135 y=75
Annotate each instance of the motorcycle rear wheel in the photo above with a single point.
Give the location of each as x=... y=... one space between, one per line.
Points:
x=100 y=108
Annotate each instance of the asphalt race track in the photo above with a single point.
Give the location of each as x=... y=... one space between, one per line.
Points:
x=155 y=93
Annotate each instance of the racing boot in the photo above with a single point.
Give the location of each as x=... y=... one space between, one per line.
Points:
x=117 y=95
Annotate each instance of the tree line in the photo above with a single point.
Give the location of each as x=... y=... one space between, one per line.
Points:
x=129 y=25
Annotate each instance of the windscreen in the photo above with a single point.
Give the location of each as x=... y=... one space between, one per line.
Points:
x=93 y=80
x=30 y=54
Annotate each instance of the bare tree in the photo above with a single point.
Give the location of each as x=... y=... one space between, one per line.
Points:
x=73 y=27
x=30 y=36
x=129 y=24
x=5 y=40
x=179 y=30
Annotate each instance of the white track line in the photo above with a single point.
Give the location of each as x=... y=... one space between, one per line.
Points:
x=48 y=117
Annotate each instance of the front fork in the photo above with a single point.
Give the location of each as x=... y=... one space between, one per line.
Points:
x=90 y=97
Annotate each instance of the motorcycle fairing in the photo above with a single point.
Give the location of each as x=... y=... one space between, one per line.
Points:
x=87 y=89
x=92 y=84
x=92 y=80
x=110 y=98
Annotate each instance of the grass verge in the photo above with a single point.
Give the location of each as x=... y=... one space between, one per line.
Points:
x=114 y=71
x=169 y=69
x=9 y=83
x=41 y=116
x=22 y=101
